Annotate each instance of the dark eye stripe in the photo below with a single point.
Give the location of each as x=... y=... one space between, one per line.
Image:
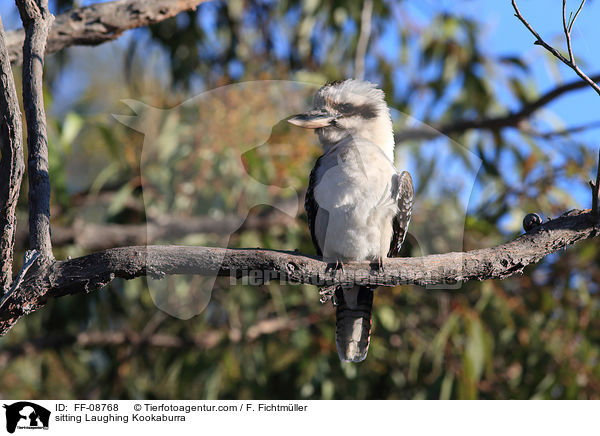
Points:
x=366 y=111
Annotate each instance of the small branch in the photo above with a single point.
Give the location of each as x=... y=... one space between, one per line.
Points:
x=11 y=163
x=575 y=17
x=37 y=20
x=88 y=273
x=595 y=191
x=363 y=39
x=567 y=28
x=102 y=22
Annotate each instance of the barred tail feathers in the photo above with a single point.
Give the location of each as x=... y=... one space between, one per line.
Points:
x=353 y=322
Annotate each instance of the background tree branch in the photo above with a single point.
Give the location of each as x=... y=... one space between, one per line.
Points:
x=512 y=119
x=206 y=340
x=94 y=237
x=102 y=22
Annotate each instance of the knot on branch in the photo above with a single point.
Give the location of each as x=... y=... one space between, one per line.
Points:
x=531 y=221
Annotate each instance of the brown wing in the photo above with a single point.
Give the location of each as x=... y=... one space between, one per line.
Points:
x=404 y=194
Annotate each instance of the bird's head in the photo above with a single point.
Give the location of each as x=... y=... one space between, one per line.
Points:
x=349 y=108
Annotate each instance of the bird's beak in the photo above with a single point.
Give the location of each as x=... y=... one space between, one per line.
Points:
x=312 y=120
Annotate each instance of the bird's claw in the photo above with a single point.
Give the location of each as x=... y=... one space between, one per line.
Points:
x=326 y=293
x=378 y=265
x=333 y=268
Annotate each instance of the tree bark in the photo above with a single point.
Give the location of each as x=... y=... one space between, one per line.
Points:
x=37 y=20
x=11 y=165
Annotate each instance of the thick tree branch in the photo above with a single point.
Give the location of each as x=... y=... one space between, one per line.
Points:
x=94 y=271
x=37 y=20
x=11 y=164
x=512 y=119
x=98 y=23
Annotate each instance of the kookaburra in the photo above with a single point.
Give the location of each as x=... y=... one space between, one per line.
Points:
x=358 y=205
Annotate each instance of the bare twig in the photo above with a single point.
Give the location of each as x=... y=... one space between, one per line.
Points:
x=567 y=28
x=102 y=22
x=363 y=39
x=575 y=17
x=88 y=273
x=37 y=20
x=11 y=164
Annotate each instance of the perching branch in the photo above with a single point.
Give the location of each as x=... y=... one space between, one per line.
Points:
x=37 y=20
x=11 y=164
x=88 y=273
x=102 y=22
x=567 y=27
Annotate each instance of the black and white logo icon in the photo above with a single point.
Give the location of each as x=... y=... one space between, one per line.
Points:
x=26 y=415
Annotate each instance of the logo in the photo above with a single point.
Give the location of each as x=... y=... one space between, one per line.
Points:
x=26 y=415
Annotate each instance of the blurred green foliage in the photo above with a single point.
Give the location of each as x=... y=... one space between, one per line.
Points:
x=532 y=336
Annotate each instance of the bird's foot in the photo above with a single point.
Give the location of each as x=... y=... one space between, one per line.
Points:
x=326 y=293
x=377 y=266
x=333 y=268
